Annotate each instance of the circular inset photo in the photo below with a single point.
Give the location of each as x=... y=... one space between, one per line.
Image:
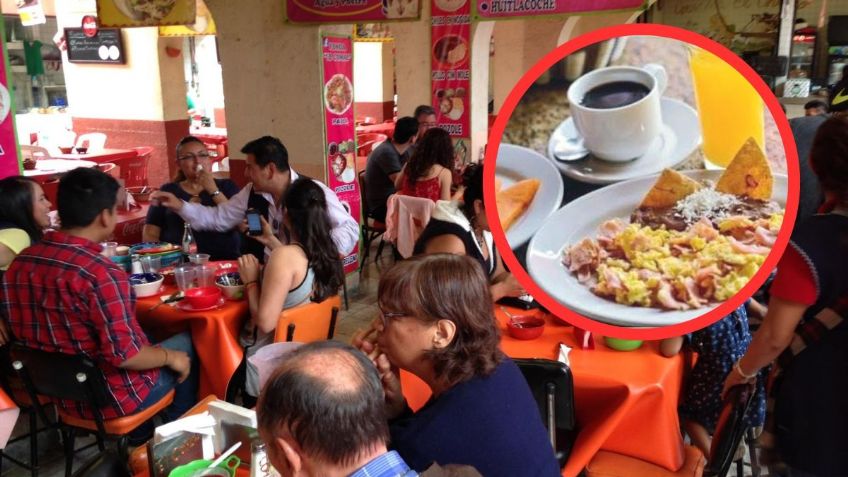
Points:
x=338 y=94
x=450 y=5
x=145 y=10
x=672 y=210
x=450 y=51
x=114 y=52
x=5 y=103
x=103 y=52
x=332 y=148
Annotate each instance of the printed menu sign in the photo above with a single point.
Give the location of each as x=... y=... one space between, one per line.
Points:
x=141 y=13
x=488 y=9
x=106 y=46
x=351 y=11
x=9 y=163
x=31 y=12
x=450 y=58
x=339 y=129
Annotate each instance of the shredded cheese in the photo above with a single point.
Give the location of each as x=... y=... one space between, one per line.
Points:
x=706 y=202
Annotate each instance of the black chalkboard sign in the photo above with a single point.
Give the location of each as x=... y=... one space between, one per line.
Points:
x=106 y=46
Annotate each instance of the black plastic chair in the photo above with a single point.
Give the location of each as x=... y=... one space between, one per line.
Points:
x=730 y=430
x=76 y=378
x=105 y=464
x=553 y=389
x=371 y=228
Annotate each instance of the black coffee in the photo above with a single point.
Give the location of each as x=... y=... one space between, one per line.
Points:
x=614 y=95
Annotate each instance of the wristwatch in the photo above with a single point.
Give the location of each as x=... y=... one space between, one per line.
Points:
x=217 y=192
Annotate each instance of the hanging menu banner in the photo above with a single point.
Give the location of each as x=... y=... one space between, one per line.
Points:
x=489 y=9
x=339 y=129
x=9 y=163
x=450 y=58
x=134 y=13
x=31 y=12
x=351 y=11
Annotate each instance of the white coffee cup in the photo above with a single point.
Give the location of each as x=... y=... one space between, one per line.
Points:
x=623 y=133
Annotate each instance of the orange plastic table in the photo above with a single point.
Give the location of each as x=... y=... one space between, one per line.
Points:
x=387 y=128
x=8 y=417
x=214 y=334
x=625 y=402
x=104 y=155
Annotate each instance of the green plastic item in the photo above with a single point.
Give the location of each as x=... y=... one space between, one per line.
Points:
x=622 y=345
x=186 y=470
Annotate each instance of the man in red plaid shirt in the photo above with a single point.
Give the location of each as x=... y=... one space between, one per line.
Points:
x=63 y=296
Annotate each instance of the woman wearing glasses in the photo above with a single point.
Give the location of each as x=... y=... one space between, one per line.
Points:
x=436 y=322
x=194 y=183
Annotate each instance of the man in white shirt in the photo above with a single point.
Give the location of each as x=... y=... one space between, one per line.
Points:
x=267 y=169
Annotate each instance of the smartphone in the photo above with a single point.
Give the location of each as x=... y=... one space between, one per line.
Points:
x=254 y=224
x=525 y=302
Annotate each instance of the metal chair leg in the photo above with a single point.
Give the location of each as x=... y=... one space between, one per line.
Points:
x=33 y=443
x=68 y=438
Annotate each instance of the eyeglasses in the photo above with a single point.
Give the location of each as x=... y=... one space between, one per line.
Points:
x=385 y=317
x=189 y=155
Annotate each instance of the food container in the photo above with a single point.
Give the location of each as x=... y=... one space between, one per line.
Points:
x=203 y=297
x=146 y=284
x=619 y=344
x=525 y=327
x=167 y=253
x=231 y=285
x=199 y=468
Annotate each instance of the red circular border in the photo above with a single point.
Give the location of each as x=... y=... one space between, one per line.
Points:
x=581 y=42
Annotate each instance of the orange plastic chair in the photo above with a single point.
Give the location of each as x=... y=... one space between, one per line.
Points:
x=51 y=191
x=366 y=142
x=309 y=322
x=75 y=377
x=611 y=464
x=110 y=168
x=133 y=170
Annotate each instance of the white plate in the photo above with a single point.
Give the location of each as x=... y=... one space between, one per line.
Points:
x=580 y=219
x=5 y=103
x=680 y=135
x=516 y=163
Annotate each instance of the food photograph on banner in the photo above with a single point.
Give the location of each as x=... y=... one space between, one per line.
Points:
x=337 y=65
x=134 y=13
x=451 y=72
x=305 y=11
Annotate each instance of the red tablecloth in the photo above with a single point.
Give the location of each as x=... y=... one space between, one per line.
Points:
x=383 y=128
x=214 y=334
x=130 y=222
x=625 y=402
x=105 y=155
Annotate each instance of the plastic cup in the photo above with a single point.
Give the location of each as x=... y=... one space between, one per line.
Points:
x=205 y=275
x=198 y=258
x=110 y=249
x=185 y=276
x=151 y=264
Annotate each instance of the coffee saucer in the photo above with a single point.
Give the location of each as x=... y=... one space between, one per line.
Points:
x=679 y=137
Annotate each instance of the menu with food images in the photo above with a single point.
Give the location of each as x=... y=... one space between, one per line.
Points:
x=9 y=163
x=343 y=11
x=141 y=13
x=339 y=129
x=450 y=57
x=488 y=9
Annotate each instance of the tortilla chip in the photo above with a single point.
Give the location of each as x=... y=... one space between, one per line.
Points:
x=514 y=200
x=748 y=173
x=669 y=188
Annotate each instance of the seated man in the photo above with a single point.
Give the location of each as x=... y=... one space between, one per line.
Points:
x=318 y=423
x=64 y=296
x=267 y=168
x=384 y=165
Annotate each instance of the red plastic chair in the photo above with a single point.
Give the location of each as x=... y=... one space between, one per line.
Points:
x=51 y=191
x=109 y=168
x=366 y=142
x=134 y=170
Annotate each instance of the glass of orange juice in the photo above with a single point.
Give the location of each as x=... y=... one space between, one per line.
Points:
x=729 y=108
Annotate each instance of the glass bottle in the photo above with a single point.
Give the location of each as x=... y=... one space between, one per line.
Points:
x=189 y=244
x=259 y=465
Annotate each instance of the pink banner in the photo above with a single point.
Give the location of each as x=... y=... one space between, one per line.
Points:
x=342 y=11
x=340 y=129
x=532 y=8
x=450 y=63
x=9 y=163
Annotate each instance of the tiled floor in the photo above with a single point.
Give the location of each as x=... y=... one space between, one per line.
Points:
x=363 y=308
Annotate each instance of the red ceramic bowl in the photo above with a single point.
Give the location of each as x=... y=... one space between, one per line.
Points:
x=525 y=327
x=203 y=297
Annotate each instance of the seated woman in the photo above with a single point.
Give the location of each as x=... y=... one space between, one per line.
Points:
x=194 y=183
x=306 y=269
x=24 y=215
x=463 y=229
x=427 y=174
x=437 y=322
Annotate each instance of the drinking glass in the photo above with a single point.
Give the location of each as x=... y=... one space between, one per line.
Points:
x=151 y=264
x=729 y=108
x=206 y=275
x=198 y=258
x=110 y=249
x=185 y=275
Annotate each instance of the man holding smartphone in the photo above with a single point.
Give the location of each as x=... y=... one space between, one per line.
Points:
x=267 y=169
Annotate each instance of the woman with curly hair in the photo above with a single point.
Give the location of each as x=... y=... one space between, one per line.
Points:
x=427 y=174
x=436 y=322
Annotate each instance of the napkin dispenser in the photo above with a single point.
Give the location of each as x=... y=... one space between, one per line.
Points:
x=585 y=340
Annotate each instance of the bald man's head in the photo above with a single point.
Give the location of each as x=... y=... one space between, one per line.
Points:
x=328 y=398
